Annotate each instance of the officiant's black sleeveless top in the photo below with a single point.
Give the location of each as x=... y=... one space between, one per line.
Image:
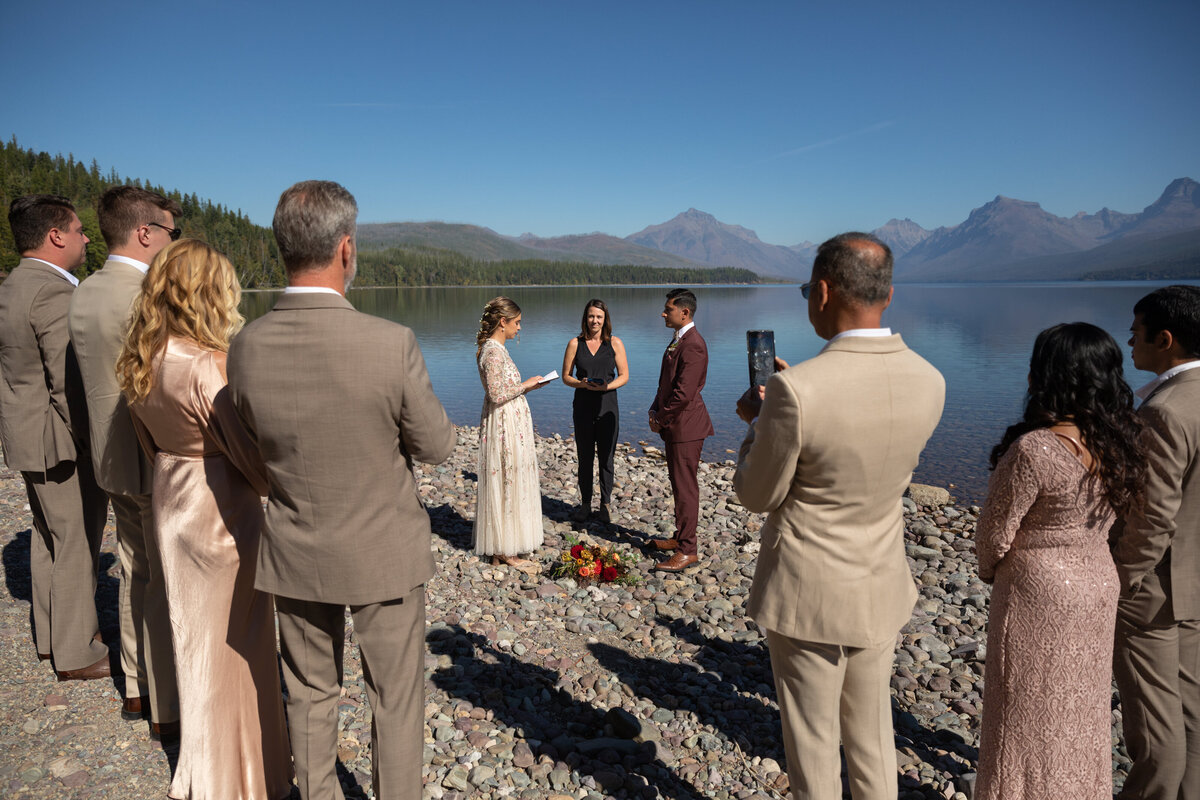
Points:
x=602 y=365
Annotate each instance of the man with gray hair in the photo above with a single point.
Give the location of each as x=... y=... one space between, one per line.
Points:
x=831 y=453
x=340 y=405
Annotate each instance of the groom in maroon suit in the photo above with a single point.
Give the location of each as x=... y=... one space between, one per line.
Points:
x=679 y=416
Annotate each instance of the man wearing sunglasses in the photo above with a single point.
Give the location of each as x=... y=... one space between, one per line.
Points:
x=136 y=225
x=829 y=456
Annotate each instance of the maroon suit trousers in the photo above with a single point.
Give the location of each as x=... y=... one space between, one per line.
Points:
x=683 y=459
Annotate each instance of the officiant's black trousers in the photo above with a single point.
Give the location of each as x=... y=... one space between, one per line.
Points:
x=596 y=428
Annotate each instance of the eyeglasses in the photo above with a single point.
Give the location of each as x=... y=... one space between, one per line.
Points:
x=174 y=233
x=806 y=290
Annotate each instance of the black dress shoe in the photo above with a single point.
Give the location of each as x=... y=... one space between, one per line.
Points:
x=135 y=708
x=166 y=732
x=96 y=671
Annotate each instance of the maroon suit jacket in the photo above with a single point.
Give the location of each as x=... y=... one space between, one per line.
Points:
x=678 y=406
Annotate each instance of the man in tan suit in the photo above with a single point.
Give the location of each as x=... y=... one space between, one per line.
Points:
x=1157 y=655
x=44 y=430
x=341 y=406
x=832 y=451
x=136 y=224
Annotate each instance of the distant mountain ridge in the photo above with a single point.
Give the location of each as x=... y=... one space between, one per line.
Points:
x=1005 y=232
x=485 y=244
x=1004 y=239
x=703 y=238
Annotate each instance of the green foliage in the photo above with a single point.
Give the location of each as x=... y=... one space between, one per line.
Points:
x=250 y=247
x=424 y=266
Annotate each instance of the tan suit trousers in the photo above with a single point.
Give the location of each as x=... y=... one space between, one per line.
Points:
x=69 y=512
x=827 y=690
x=391 y=644
x=147 y=658
x=1157 y=667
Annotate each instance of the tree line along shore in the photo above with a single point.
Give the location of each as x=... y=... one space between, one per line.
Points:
x=253 y=250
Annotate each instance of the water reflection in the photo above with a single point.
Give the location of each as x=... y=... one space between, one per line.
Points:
x=980 y=338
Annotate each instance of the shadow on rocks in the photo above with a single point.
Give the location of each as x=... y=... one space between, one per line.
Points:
x=745 y=668
x=564 y=734
x=450 y=525
x=350 y=786
x=108 y=601
x=726 y=693
x=593 y=528
x=16 y=567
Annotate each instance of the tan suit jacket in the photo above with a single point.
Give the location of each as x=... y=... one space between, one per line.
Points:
x=830 y=457
x=98 y=320
x=1158 y=549
x=43 y=411
x=340 y=405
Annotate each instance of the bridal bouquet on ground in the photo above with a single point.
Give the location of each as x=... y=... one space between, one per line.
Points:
x=587 y=563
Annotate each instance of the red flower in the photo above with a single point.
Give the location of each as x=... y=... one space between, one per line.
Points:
x=576 y=551
x=609 y=574
x=597 y=567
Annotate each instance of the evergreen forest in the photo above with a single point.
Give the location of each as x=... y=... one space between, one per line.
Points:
x=253 y=250
x=251 y=247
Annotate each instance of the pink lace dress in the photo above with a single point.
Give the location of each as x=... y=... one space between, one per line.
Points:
x=508 y=510
x=1042 y=538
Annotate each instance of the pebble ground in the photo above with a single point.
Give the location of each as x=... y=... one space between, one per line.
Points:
x=544 y=690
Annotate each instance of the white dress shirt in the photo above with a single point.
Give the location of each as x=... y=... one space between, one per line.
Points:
x=74 y=281
x=311 y=290
x=1149 y=388
x=140 y=266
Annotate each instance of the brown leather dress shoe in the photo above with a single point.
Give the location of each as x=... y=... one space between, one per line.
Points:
x=44 y=656
x=666 y=544
x=677 y=563
x=96 y=671
x=166 y=732
x=135 y=708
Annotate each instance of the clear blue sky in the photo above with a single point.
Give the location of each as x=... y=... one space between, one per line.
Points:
x=795 y=119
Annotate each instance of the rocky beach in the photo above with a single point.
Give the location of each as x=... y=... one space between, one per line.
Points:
x=540 y=688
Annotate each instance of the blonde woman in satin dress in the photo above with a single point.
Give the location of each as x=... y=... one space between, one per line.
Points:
x=508 y=510
x=208 y=480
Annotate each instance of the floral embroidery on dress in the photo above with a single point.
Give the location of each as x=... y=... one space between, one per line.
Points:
x=508 y=515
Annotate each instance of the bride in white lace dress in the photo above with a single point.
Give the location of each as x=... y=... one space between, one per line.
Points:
x=508 y=511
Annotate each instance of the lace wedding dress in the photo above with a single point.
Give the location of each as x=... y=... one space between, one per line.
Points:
x=508 y=512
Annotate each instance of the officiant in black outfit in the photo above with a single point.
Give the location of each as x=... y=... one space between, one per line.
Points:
x=595 y=367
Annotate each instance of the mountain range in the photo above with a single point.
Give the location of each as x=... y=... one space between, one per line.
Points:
x=1005 y=239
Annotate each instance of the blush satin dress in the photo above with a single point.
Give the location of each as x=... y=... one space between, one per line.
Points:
x=208 y=479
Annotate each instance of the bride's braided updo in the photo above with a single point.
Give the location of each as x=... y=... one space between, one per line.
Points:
x=498 y=308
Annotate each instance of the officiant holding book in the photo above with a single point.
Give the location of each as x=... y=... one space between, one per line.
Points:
x=594 y=365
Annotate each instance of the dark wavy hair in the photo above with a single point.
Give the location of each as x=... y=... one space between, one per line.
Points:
x=1075 y=376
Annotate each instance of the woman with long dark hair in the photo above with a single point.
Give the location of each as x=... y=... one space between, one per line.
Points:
x=1061 y=477
x=595 y=366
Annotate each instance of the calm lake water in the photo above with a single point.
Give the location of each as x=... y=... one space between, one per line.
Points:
x=979 y=336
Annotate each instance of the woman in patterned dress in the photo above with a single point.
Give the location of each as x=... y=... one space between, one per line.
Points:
x=1062 y=475
x=508 y=511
